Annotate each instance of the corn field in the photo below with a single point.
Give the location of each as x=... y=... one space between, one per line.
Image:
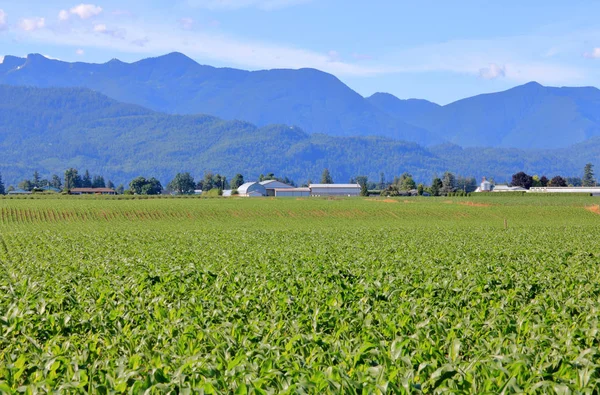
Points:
x=306 y=296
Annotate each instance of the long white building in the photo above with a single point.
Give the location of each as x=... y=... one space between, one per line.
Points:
x=334 y=189
x=594 y=191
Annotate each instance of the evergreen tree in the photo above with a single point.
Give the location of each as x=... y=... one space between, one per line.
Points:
x=420 y=189
x=326 y=177
x=120 y=189
x=381 y=185
x=436 y=186
x=25 y=185
x=588 y=176
x=2 y=190
x=110 y=184
x=448 y=183
x=72 y=179
x=86 y=181
x=98 y=182
x=55 y=182
x=36 y=179
x=364 y=191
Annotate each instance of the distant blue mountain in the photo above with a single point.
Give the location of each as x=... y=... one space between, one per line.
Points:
x=525 y=117
x=52 y=129
x=528 y=116
x=313 y=100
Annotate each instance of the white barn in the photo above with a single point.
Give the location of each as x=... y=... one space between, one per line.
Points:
x=334 y=189
x=252 y=189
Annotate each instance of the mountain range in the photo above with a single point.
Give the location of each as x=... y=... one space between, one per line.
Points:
x=51 y=129
x=525 y=117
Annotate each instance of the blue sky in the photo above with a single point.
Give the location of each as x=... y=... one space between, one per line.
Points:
x=437 y=50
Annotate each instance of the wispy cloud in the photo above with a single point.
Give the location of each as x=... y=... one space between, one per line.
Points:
x=155 y=39
x=593 y=54
x=115 y=33
x=80 y=52
x=266 y=5
x=3 y=23
x=187 y=23
x=32 y=24
x=83 y=11
x=492 y=72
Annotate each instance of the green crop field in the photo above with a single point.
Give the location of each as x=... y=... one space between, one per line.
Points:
x=266 y=296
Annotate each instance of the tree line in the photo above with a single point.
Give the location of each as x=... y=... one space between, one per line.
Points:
x=184 y=183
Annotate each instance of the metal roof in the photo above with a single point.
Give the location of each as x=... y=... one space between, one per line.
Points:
x=267 y=182
x=292 y=189
x=244 y=187
x=93 y=190
x=334 y=186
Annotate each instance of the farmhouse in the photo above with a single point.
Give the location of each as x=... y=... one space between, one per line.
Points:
x=19 y=192
x=292 y=192
x=92 y=191
x=272 y=185
x=252 y=189
x=334 y=189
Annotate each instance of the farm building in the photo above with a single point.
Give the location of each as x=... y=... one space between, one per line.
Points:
x=92 y=191
x=334 y=189
x=487 y=186
x=292 y=192
x=272 y=185
x=19 y=192
x=252 y=189
x=594 y=191
x=506 y=188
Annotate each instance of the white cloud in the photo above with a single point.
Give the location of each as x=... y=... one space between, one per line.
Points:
x=159 y=39
x=492 y=72
x=64 y=15
x=334 y=56
x=102 y=29
x=266 y=5
x=3 y=24
x=186 y=23
x=83 y=11
x=32 y=24
x=1 y=59
x=80 y=52
x=594 y=54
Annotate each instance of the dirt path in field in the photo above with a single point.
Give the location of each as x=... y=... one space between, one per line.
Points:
x=593 y=209
x=473 y=204
x=383 y=200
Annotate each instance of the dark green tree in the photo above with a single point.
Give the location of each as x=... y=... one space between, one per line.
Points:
x=152 y=187
x=98 y=182
x=183 y=183
x=72 y=179
x=86 y=181
x=381 y=185
x=55 y=182
x=420 y=189
x=237 y=181
x=36 y=180
x=588 y=176
x=25 y=185
x=137 y=184
x=544 y=181
x=120 y=189
x=326 y=177
x=436 y=186
x=522 y=179
x=109 y=184
x=448 y=183
x=557 y=181
x=2 y=190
